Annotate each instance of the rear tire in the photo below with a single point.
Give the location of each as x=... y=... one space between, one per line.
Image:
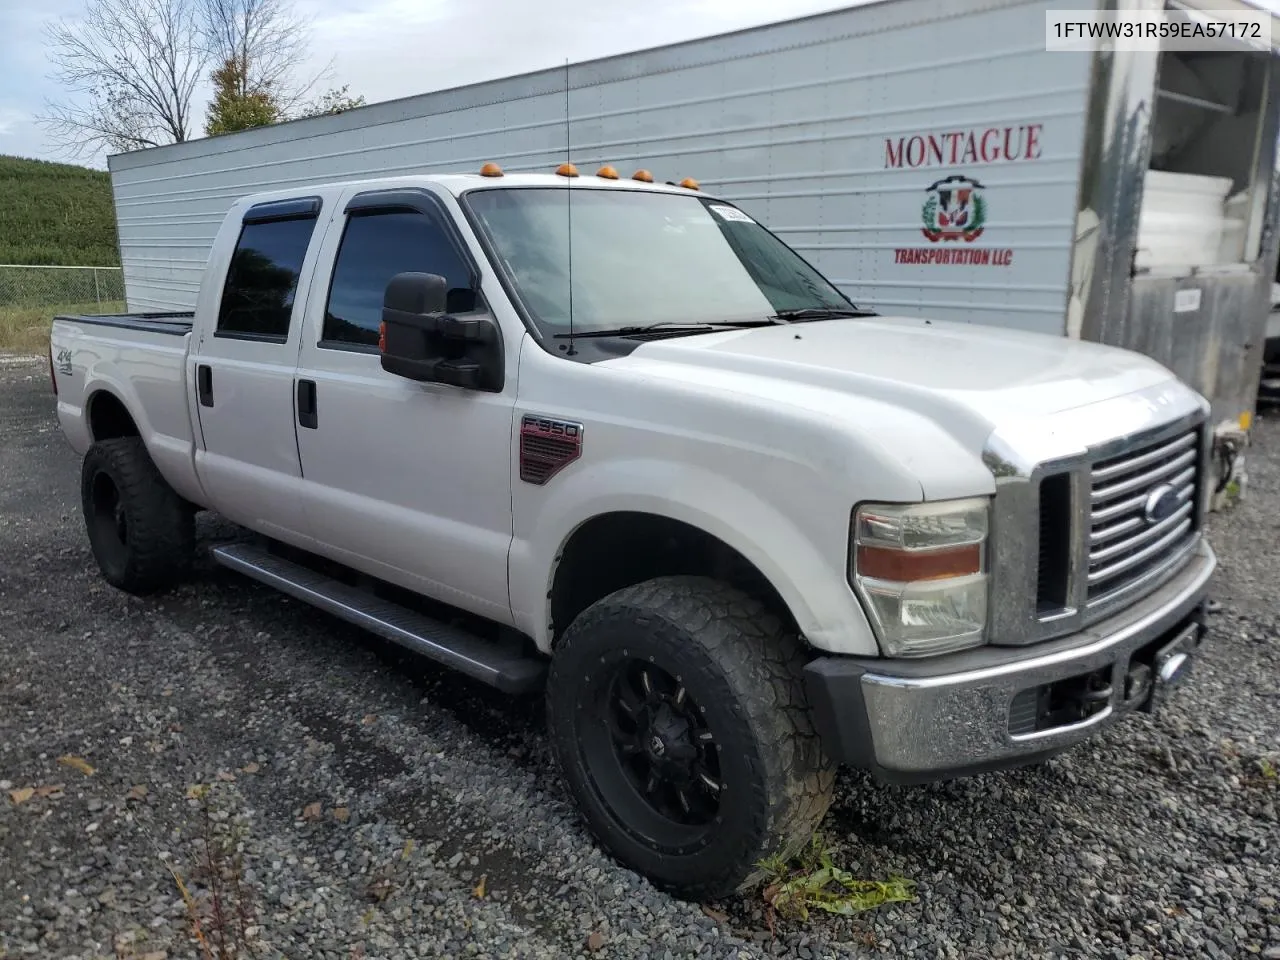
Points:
x=141 y=532
x=677 y=712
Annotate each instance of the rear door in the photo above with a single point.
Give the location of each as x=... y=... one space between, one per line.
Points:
x=242 y=369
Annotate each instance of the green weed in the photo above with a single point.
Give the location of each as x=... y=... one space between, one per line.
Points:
x=812 y=881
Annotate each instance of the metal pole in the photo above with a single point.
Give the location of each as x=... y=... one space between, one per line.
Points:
x=97 y=292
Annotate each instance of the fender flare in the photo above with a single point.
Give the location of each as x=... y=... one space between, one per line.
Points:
x=828 y=614
x=125 y=395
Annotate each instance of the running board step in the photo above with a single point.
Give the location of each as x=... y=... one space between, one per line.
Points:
x=475 y=656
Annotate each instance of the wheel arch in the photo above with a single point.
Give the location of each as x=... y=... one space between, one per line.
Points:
x=589 y=566
x=801 y=561
x=107 y=416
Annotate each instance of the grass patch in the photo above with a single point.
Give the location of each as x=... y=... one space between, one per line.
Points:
x=812 y=881
x=1267 y=775
x=26 y=329
x=56 y=213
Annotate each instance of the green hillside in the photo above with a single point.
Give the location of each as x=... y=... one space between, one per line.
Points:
x=55 y=213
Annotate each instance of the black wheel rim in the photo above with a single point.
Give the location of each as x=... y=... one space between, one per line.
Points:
x=653 y=756
x=110 y=521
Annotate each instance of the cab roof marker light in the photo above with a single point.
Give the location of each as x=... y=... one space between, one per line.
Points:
x=491 y=170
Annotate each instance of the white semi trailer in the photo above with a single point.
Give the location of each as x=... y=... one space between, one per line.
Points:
x=932 y=159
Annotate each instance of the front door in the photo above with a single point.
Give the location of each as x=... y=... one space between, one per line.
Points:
x=407 y=481
x=242 y=372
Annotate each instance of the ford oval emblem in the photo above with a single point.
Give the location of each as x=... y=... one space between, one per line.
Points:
x=1162 y=503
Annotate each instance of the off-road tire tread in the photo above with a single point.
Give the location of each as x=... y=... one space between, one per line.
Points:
x=762 y=663
x=162 y=541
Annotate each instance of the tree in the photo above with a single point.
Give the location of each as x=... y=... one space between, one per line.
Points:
x=261 y=45
x=268 y=42
x=234 y=108
x=333 y=101
x=132 y=67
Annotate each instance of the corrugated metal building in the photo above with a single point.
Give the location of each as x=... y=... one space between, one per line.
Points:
x=843 y=132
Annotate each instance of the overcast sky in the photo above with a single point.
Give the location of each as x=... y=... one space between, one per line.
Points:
x=395 y=48
x=386 y=49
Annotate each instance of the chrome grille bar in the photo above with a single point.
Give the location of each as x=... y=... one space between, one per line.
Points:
x=1105 y=473
x=1117 y=509
x=1145 y=480
x=1141 y=539
x=1128 y=525
x=1101 y=534
x=1128 y=563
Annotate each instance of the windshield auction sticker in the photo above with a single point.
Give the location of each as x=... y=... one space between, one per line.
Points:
x=731 y=213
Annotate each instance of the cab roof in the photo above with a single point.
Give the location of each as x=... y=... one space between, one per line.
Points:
x=458 y=184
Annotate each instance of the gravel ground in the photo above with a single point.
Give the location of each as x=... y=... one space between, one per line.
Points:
x=369 y=794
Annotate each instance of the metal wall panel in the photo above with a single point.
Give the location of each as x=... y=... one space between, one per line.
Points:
x=790 y=120
x=1209 y=347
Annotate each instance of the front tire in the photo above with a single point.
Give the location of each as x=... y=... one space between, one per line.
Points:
x=141 y=532
x=677 y=712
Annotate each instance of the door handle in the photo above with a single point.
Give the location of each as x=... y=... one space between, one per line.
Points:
x=204 y=384
x=307 y=404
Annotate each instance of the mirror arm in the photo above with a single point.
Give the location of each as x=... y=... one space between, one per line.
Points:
x=454 y=373
x=449 y=327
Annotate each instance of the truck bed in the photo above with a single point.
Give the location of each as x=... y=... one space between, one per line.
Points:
x=175 y=323
x=139 y=360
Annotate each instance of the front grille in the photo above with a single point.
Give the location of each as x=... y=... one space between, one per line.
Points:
x=1133 y=530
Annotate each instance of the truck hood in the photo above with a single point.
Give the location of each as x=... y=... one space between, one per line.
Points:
x=968 y=379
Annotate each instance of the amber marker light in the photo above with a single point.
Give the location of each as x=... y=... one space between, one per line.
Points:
x=911 y=566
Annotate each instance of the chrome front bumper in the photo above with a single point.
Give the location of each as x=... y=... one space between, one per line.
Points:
x=997 y=707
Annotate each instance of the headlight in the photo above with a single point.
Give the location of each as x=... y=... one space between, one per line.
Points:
x=921 y=571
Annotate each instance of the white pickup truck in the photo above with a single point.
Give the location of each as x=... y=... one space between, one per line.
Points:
x=614 y=439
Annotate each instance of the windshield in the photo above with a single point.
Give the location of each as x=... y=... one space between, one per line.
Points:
x=641 y=258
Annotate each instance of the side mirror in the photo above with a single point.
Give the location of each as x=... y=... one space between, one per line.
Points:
x=420 y=340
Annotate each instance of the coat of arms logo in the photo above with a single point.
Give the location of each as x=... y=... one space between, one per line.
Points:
x=955 y=210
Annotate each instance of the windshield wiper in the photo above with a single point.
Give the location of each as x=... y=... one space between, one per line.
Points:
x=800 y=314
x=671 y=326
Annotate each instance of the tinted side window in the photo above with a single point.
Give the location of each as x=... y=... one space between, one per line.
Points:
x=258 y=296
x=375 y=247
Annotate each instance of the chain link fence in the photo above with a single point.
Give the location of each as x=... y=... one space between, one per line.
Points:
x=31 y=286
